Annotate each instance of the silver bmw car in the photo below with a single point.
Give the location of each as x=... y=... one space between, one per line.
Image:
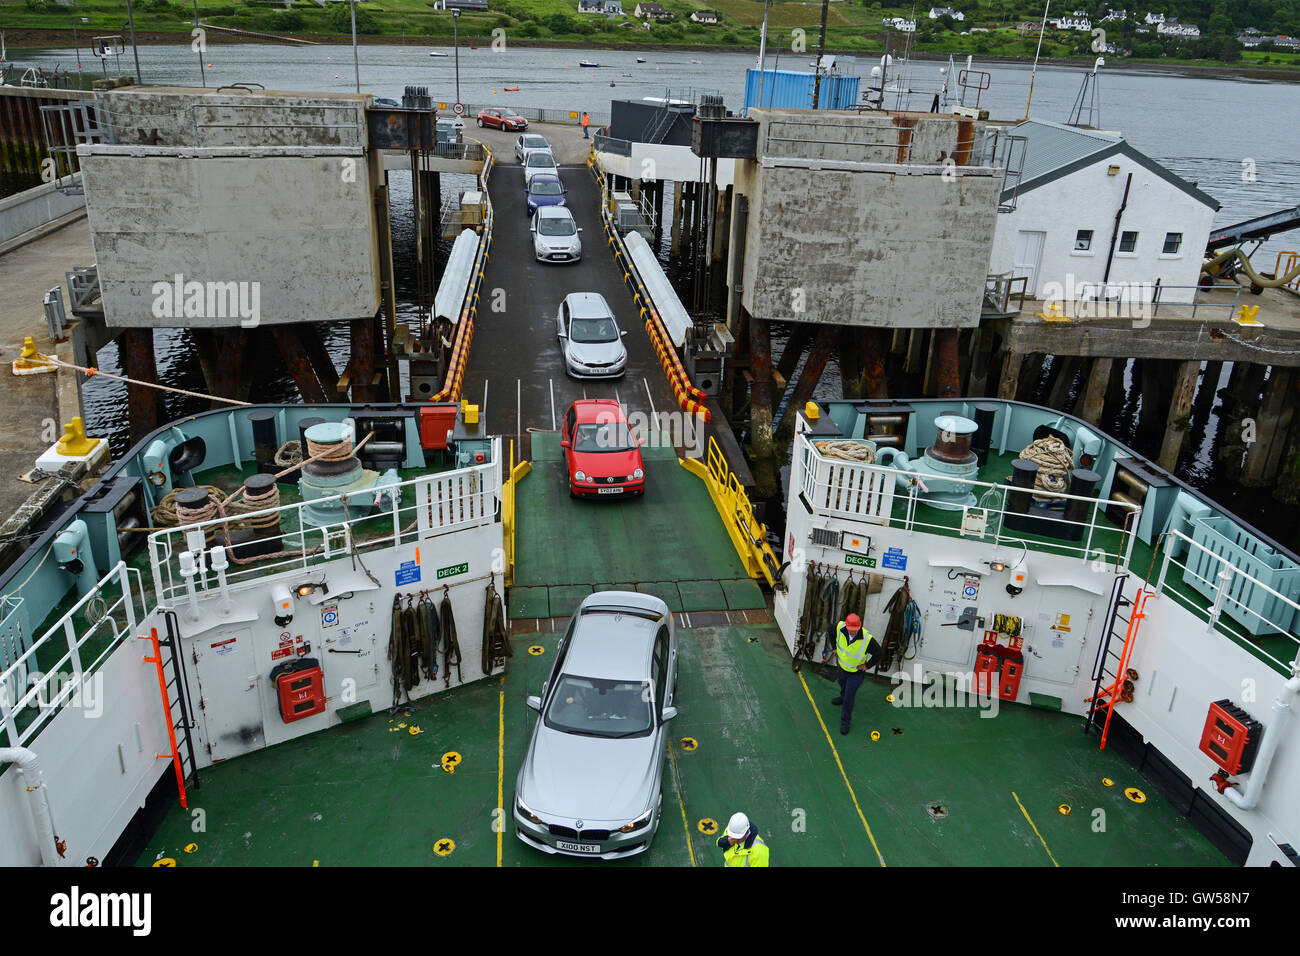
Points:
x=591 y=782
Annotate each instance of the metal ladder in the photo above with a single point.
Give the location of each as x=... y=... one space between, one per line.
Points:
x=1110 y=669
x=176 y=702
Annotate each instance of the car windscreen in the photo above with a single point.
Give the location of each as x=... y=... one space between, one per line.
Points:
x=606 y=436
x=541 y=159
x=591 y=331
x=555 y=226
x=536 y=142
x=545 y=189
x=596 y=707
x=511 y=113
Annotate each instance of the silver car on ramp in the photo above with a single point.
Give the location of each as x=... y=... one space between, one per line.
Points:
x=591 y=784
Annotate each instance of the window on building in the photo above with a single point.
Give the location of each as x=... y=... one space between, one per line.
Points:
x=1173 y=242
x=1128 y=241
x=1083 y=240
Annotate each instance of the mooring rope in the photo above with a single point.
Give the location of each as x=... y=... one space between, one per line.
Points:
x=847 y=451
x=90 y=371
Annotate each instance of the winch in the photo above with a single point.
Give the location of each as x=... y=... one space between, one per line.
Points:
x=339 y=472
x=950 y=457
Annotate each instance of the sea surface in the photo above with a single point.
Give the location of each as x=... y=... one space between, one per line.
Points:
x=1237 y=139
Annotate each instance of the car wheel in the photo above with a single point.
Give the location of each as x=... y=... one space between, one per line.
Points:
x=572 y=493
x=480 y=123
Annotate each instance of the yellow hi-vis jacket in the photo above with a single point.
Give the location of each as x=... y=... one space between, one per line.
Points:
x=853 y=654
x=756 y=855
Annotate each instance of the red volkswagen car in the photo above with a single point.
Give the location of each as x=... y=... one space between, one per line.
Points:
x=506 y=119
x=602 y=455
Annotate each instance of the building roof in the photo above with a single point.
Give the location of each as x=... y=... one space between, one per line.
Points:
x=1053 y=151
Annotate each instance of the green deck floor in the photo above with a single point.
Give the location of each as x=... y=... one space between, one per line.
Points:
x=371 y=793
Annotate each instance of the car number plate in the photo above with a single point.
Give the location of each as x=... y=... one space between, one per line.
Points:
x=560 y=255
x=609 y=491
x=577 y=847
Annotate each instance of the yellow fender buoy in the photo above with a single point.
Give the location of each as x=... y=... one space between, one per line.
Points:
x=1136 y=795
x=708 y=826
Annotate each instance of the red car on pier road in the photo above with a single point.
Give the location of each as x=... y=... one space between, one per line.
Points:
x=506 y=119
x=602 y=455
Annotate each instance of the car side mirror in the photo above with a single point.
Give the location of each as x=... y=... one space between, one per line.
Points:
x=534 y=703
x=624 y=332
x=579 y=229
x=532 y=228
x=564 y=443
x=669 y=713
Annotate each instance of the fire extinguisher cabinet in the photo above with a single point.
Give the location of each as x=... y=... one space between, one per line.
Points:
x=1013 y=665
x=300 y=689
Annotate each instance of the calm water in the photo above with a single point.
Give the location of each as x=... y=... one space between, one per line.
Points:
x=1237 y=139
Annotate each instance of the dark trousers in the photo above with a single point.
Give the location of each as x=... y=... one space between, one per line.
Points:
x=850 y=681
x=584 y=133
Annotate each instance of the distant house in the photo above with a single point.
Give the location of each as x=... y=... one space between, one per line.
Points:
x=613 y=8
x=900 y=24
x=462 y=4
x=1113 y=15
x=1153 y=18
x=652 y=11
x=978 y=30
x=705 y=16
x=1290 y=43
x=590 y=6
x=1073 y=23
x=937 y=12
x=1172 y=27
x=1029 y=26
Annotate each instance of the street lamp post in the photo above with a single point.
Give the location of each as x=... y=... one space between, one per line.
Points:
x=455 y=32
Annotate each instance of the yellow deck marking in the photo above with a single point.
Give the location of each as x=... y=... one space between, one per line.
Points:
x=1036 y=833
x=686 y=827
x=501 y=764
x=854 y=796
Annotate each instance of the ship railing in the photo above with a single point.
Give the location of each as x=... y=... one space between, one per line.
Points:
x=428 y=506
x=869 y=492
x=1243 y=608
x=1220 y=302
x=36 y=687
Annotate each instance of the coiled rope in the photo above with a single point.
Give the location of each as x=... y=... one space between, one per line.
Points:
x=847 y=451
x=1054 y=461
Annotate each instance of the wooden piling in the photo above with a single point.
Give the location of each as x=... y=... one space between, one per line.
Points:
x=1094 y=392
x=1179 y=417
x=144 y=404
x=1009 y=380
x=1272 y=425
x=821 y=350
x=676 y=238
x=947 y=377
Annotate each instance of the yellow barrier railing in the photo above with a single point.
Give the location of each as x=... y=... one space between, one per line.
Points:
x=517 y=471
x=748 y=534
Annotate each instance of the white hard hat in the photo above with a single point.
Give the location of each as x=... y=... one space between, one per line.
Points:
x=738 y=826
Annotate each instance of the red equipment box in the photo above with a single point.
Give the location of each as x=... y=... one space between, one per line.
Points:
x=988 y=661
x=1013 y=665
x=437 y=419
x=300 y=687
x=1231 y=737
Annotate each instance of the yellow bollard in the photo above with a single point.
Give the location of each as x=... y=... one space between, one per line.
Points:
x=74 y=443
x=1246 y=315
x=32 y=362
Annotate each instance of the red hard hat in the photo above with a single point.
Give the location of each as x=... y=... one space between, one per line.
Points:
x=853 y=621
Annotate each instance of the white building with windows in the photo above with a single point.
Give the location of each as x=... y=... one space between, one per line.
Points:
x=1153 y=18
x=1074 y=23
x=1114 y=16
x=937 y=12
x=901 y=24
x=1173 y=28
x=1072 y=185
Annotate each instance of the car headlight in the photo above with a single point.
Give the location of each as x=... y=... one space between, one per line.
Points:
x=523 y=809
x=579 y=476
x=638 y=475
x=639 y=823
